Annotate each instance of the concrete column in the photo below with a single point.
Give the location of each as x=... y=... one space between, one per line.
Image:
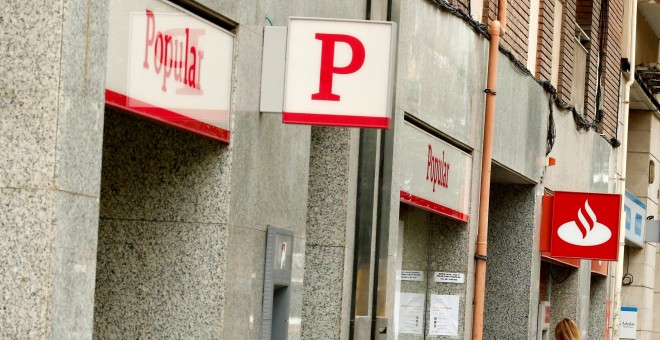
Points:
x=641 y=265
x=597 y=307
x=163 y=235
x=570 y=293
x=449 y=251
x=512 y=279
x=330 y=234
x=51 y=104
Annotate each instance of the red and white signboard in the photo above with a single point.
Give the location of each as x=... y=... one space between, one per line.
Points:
x=339 y=73
x=169 y=65
x=435 y=175
x=585 y=225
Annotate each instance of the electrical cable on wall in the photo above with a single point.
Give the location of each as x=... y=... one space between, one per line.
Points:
x=581 y=122
x=628 y=278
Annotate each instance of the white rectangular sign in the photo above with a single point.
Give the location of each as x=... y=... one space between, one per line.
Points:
x=628 y=327
x=443 y=315
x=167 y=64
x=339 y=72
x=435 y=175
x=449 y=277
x=411 y=313
x=410 y=275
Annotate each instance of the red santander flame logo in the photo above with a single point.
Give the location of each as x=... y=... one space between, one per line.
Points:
x=586 y=231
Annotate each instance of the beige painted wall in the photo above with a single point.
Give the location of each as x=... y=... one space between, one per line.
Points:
x=647 y=42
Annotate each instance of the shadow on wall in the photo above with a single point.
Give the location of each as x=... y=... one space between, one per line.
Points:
x=162 y=233
x=155 y=172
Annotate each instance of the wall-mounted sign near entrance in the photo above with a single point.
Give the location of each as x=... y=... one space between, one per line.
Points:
x=339 y=72
x=410 y=275
x=448 y=277
x=435 y=175
x=635 y=218
x=585 y=225
x=628 y=326
x=167 y=64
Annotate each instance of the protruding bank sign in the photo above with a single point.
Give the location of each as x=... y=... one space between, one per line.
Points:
x=435 y=175
x=167 y=64
x=339 y=73
x=635 y=218
x=585 y=225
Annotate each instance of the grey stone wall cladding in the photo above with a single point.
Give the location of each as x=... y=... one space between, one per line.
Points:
x=174 y=206
x=162 y=233
x=330 y=232
x=510 y=262
x=51 y=103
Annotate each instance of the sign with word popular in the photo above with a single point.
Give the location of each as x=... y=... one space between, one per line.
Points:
x=585 y=225
x=339 y=72
x=166 y=64
x=435 y=175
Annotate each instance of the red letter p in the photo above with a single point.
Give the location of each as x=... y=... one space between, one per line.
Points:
x=328 y=69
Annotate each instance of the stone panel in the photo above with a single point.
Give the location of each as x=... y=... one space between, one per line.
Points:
x=74 y=265
x=158 y=173
x=511 y=250
x=244 y=283
x=322 y=293
x=26 y=263
x=160 y=280
x=31 y=44
x=81 y=97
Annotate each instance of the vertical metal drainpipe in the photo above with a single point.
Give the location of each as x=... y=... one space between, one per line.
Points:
x=496 y=28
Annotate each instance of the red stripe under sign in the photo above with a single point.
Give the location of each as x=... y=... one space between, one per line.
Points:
x=432 y=206
x=165 y=116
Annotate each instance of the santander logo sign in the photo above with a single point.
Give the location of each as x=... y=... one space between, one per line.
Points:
x=585 y=225
x=586 y=231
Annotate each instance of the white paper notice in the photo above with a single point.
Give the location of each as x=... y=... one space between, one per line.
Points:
x=410 y=275
x=411 y=313
x=443 y=318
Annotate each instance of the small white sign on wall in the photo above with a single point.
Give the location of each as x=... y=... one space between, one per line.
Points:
x=411 y=313
x=628 y=327
x=410 y=275
x=443 y=315
x=449 y=277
